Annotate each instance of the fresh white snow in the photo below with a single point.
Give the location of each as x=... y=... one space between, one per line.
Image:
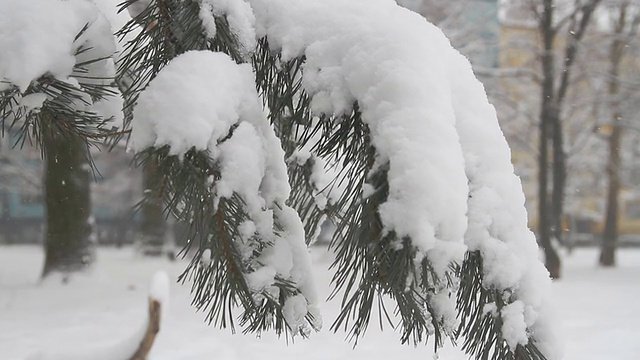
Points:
x=104 y=313
x=159 y=290
x=381 y=55
x=239 y=16
x=211 y=97
x=35 y=42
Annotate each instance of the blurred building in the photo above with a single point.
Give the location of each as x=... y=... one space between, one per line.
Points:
x=471 y=25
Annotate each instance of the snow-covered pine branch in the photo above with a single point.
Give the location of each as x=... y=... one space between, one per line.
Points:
x=428 y=201
x=216 y=110
x=58 y=67
x=437 y=142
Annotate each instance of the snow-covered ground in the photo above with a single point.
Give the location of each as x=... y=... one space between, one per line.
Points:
x=96 y=316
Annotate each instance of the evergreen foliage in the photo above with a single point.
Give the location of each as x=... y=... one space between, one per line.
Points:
x=60 y=113
x=480 y=328
x=370 y=264
x=219 y=284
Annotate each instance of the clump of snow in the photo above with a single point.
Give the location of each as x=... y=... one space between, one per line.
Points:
x=446 y=309
x=294 y=311
x=301 y=272
x=239 y=165
x=159 y=287
x=356 y=51
x=262 y=279
x=490 y=308
x=49 y=38
x=159 y=290
x=194 y=114
x=33 y=101
x=514 y=327
x=208 y=19
x=35 y=41
x=239 y=15
x=205 y=258
x=42 y=40
x=217 y=109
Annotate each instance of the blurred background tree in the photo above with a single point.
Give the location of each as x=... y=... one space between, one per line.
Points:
x=567 y=199
x=622 y=22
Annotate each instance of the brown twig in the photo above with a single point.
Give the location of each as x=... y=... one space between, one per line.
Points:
x=153 y=327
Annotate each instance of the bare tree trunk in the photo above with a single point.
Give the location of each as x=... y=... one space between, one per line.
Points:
x=551 y=212
x=547 y=112
x=153 y=228
x=559 y=180
x=70 y=239
x=610 y=233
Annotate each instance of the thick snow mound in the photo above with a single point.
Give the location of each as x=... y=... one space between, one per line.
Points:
x=50 y=38
x=182 y=108
x=38 y=37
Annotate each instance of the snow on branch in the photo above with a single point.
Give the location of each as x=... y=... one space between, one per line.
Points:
x=497 y=216
x=57 y=55
x=215 y=110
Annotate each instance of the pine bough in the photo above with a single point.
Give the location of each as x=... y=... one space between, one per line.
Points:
x=371 y=120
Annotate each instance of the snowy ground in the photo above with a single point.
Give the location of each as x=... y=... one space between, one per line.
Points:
x=93 y=317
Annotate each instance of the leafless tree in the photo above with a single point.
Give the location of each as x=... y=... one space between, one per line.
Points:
x=625 y=20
